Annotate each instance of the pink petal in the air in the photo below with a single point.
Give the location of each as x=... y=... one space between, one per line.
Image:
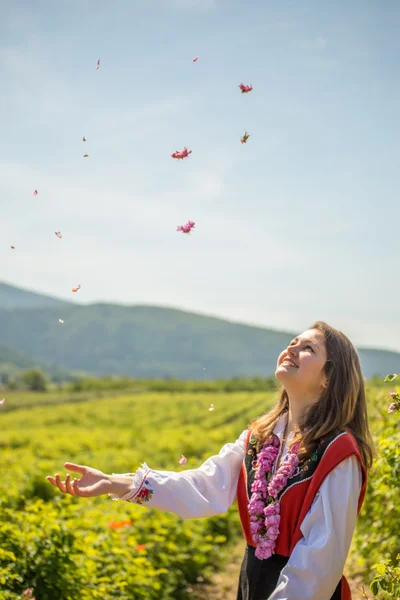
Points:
x=35 y=193
x=12 y=247
x=2 y=401
x=98 y=65
x=196 y=58
x=186 y=228
x=245 y=89
x=183 y=460
x=181 y=154
x=58 y=234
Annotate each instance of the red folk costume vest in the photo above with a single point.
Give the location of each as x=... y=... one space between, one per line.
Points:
x=296 y=499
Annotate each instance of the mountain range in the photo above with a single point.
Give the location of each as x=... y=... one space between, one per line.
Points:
x=144 y=341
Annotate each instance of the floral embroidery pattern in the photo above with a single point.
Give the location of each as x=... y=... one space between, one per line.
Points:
x=145 y=494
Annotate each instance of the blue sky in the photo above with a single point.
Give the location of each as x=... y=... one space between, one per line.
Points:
x=301 y=223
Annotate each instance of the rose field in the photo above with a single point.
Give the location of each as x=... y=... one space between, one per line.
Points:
x=63 y=548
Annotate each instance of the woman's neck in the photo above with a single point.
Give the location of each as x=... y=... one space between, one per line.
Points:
x=292 y=421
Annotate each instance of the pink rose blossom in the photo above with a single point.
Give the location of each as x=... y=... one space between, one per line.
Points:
x=265 y=519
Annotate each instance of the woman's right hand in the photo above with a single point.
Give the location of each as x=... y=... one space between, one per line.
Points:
x=92 y=483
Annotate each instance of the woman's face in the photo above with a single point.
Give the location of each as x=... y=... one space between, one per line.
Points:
x=300 y=365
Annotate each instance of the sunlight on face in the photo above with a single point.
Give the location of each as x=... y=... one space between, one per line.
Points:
x=303 y=361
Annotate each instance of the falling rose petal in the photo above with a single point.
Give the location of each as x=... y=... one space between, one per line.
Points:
x=196 y=58
x=84 y=138
x=85 y=155
x=12 y=247
x=182 y=460
x=35 y=193
x=2 y=401
x=245 y=89
x=181 y=154
x=211 y=407
x=186 y=228
x=98 y=65
x=77 y=288
x=60 y=321
x=58 y=234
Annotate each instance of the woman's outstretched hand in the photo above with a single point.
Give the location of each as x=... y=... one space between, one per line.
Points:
x=92 y=482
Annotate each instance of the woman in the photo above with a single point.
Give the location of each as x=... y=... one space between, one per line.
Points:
x=299 y=473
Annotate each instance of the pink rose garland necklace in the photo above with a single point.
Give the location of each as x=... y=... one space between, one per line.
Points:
x=265 y=512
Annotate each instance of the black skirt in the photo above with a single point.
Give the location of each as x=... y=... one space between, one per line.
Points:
x=258 y=578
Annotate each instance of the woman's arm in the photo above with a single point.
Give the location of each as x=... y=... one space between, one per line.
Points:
x=203 y=492
x=316 y=564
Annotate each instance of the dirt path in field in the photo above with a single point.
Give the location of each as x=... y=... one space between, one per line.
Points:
x=223 y=585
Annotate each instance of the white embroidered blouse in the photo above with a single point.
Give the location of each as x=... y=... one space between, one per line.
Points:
x=317 y=561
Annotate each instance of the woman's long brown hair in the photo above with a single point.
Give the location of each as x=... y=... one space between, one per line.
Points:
x=342 y=403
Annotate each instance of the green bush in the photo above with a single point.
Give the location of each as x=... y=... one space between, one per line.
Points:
x=35 y=380
x=377 y=541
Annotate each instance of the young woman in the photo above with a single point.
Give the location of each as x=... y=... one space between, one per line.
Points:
x=299 y=473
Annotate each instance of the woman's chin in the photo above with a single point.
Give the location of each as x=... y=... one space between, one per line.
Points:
x=283 y=372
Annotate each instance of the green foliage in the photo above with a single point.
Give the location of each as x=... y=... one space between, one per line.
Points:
x=236 y=384
x=64 y=547
x=391 y=377
x=35 y=380
x=376 y=541
x=387 y=578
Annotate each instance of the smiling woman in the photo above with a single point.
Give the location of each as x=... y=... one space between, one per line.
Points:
x=299 y=473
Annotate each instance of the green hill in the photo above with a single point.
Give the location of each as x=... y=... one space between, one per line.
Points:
x=14 y=358
x=14 y=297
x=148 y=341
x=12 y=362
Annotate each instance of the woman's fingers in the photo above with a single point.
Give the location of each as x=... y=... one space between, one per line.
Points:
x=60 y=484
x=68 y=485
x=75 y=487
x=52 y=480
x=86 y=492
x=63 y=486
x=76 y=468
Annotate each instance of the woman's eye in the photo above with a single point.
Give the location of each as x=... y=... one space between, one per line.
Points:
x=305 y=347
